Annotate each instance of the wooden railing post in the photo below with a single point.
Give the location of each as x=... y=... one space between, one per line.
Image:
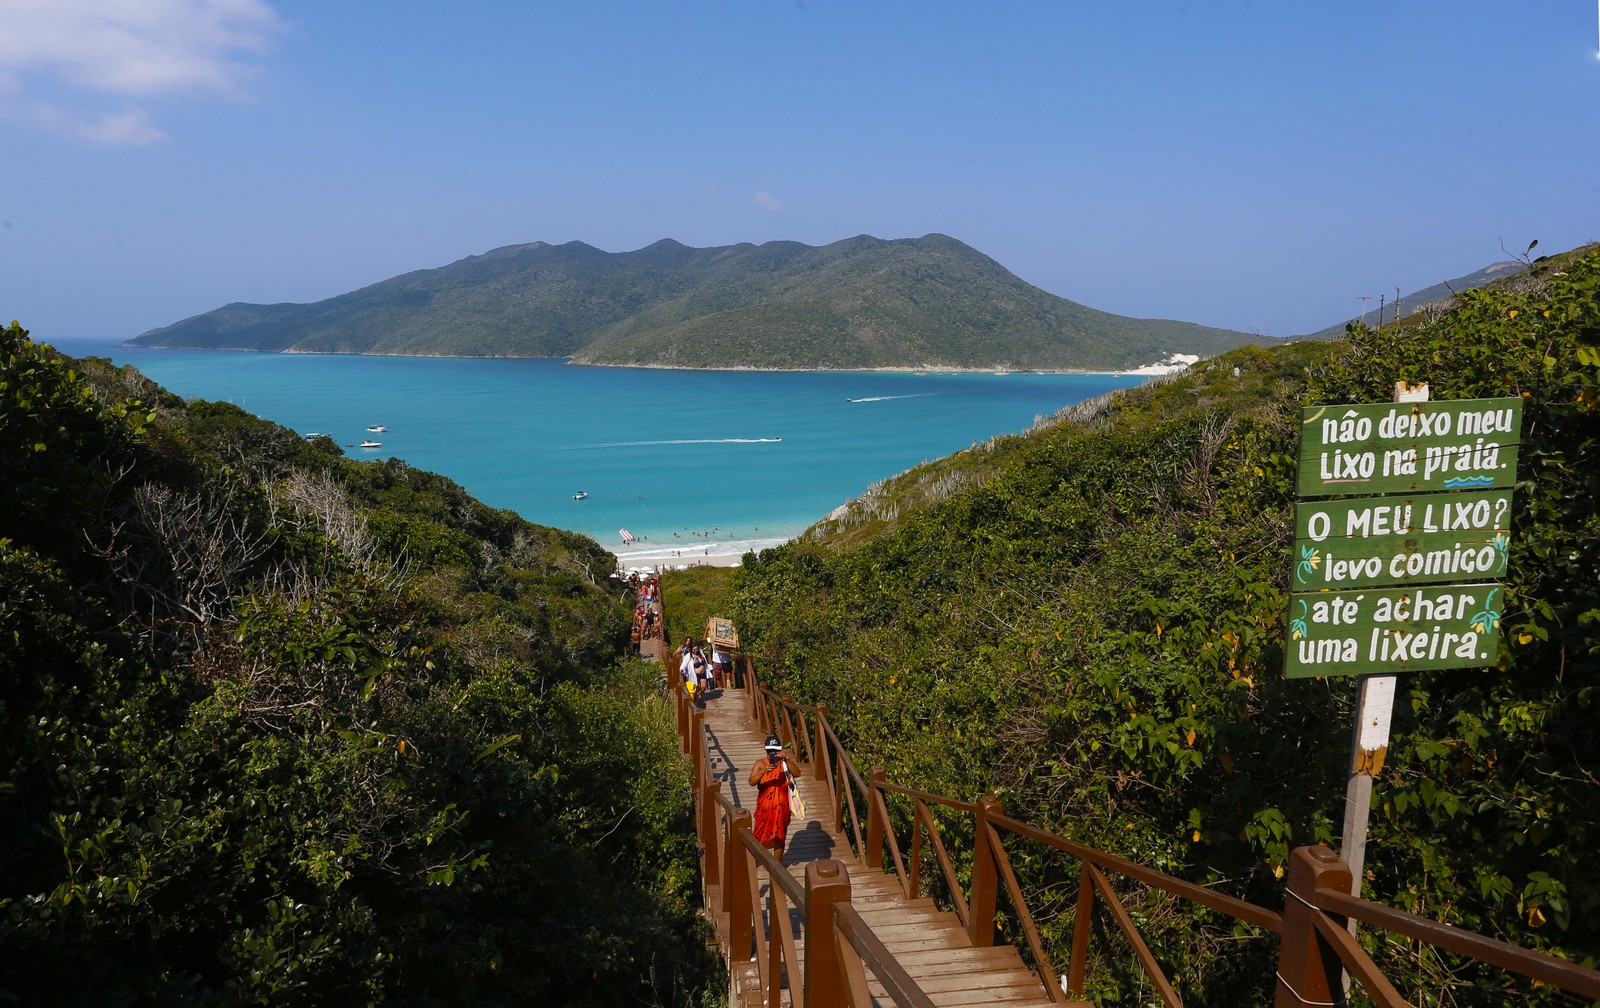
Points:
x=785 y=730
x=736 y=891
x=875 y=823
x=750 y=689
x=694 y=740
x=683 y=718
x=827 y=883
x=1308 y=969
x=708 y=832
x=706 y=789
x=985 y=878
x=819 y=752
x=1081 y=922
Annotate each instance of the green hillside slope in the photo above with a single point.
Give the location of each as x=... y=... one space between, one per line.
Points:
x=1088 y=620
x=279 y=727
x=858 y=303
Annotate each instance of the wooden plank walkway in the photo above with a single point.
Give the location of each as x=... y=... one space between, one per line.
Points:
x=655 y=648
x=929 y=943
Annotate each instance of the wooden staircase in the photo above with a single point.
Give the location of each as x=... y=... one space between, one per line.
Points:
x=929 y=943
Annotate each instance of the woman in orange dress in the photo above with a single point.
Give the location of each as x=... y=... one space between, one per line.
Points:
x=770 y=777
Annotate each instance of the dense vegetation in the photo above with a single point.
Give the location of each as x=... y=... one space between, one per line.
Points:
x=1087 y=621
x=858 y=303
x=280 y=727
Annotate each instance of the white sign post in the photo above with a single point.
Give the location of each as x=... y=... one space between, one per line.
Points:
x=1370 y=739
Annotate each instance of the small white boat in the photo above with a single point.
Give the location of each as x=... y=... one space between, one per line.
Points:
x=580 y=495
x=372 y=444
x=377 y=429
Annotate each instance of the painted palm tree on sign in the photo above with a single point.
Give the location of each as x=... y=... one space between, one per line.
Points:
x=1298 y=629
x=1310 y=557
x=1502 y=545
x=1487 y=618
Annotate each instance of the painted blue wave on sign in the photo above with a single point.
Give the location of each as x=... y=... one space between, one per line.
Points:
x=1468 y=482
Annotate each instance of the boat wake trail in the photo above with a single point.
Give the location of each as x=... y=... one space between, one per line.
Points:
x=671 y=441
x=618 y=444
x=885 y=398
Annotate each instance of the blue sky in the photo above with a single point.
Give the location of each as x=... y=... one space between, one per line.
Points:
x=1246 y=165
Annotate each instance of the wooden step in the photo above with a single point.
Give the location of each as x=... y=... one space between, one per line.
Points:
x=929 y=943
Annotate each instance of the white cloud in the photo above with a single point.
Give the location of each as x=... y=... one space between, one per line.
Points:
x=128 y=49
x=767 y=201
x=128 y=128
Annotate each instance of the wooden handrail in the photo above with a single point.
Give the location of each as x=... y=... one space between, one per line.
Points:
x=845 y=761
x=1082 y=918
x=874 y=792
x=1250 y=913
x=1313 y=941
x=881 y=807
x=1535 y=965
x=772 y=949
x=1141 y=951
x=764 y=857
x=846 y=796
x=787 y=951
x=849 y=926
x=932 y=799
x=1047 y=972
x=1360 y=965
x=946 y=866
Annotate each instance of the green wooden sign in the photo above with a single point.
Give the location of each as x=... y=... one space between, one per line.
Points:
x=1375 y=448
x=1393 y=630
x=1423 y=539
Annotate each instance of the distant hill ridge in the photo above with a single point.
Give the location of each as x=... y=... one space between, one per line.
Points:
x=1436 y=297
x=863 y=302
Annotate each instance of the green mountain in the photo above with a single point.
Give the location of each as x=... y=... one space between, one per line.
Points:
x=1089 y=621
x=864 y=302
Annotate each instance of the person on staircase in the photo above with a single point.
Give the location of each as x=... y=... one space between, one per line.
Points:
x=690 y=676
x=770 y=778
x=702 y=670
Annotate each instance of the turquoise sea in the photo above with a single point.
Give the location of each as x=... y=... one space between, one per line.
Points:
x=690 y=462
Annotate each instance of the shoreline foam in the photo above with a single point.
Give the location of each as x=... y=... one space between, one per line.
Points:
x=665 y=556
